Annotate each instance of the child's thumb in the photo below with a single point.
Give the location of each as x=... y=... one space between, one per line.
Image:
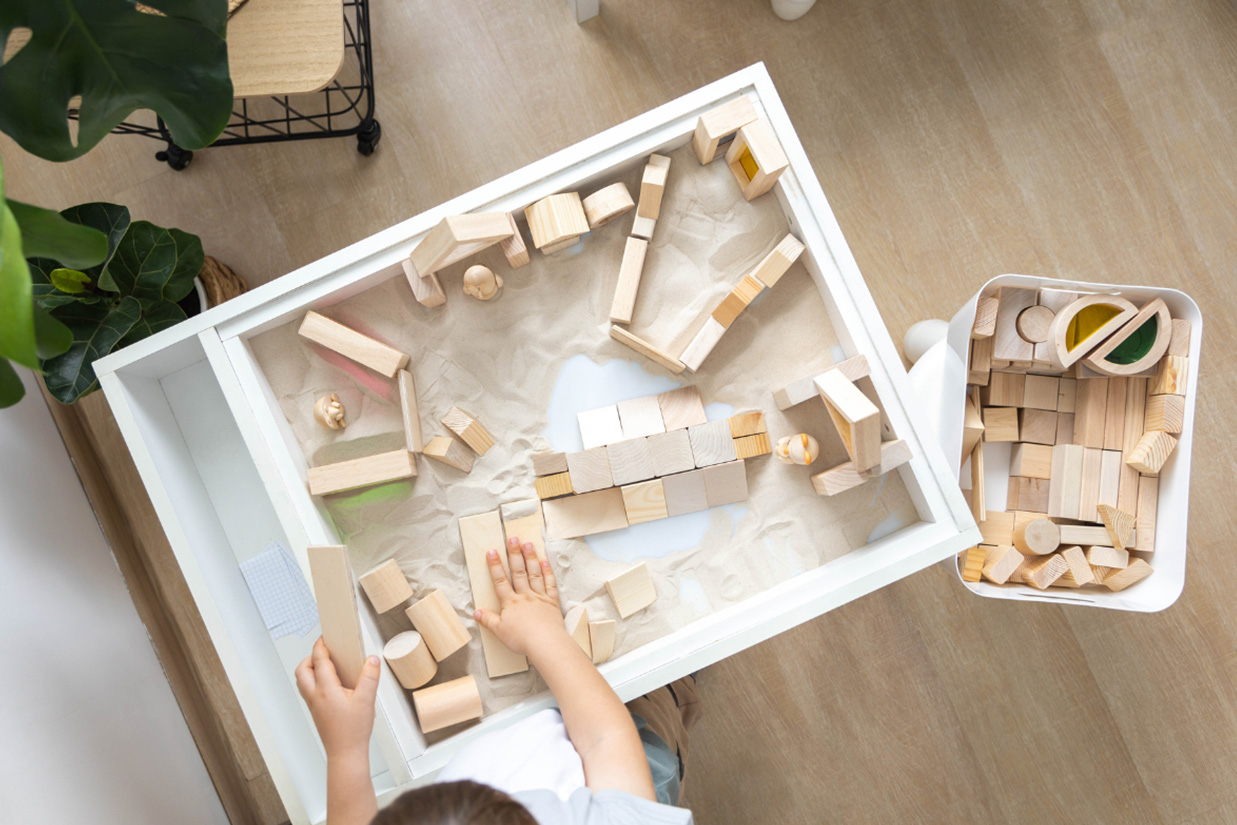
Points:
x=367 y=682
x=487 y=619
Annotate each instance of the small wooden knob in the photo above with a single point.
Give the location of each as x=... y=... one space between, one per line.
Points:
x=329 y=412
x=410 y=659
x=800 y=448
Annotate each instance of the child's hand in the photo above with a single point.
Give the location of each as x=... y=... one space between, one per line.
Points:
x=529 y=614
x=345 y=718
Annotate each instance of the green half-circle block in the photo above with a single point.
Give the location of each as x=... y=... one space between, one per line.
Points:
x=1137 y=345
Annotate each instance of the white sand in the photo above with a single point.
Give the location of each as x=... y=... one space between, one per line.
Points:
x=500 y=360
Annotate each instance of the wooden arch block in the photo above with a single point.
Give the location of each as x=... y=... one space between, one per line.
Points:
x=1133 y=349
x=557 y=220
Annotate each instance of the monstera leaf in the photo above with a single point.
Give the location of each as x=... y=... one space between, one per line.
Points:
x=96 y=329
x=117 y=59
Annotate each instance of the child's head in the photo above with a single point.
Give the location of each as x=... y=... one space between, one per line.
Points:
x=454 y=803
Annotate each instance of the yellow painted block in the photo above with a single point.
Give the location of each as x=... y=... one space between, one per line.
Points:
x=748 y=163
x=1086 y=322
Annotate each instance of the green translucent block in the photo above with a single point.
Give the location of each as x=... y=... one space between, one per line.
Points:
x=1137 y=345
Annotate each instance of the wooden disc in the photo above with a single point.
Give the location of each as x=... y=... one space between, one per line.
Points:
x=1033 y=323
x=1037 y=538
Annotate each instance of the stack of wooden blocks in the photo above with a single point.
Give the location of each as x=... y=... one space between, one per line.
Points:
x=1090 y=392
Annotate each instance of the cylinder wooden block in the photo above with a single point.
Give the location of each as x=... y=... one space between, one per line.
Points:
x=435 y=619
x=410 y=659
x=386 y=586
x=450 y=703
x=1038 y=537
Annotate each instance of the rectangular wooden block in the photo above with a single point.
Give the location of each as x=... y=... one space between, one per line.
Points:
x=1148 y=502
x=752 y=446
x=640 y=417
x=1135 y=416
x=632 y=590
x=671 y=452
x=740 y=297
x=654 y=354
x=479 y=534
x=1136 y=571
x=1172 y=376
x=856 y=418
x=631 y=270
x=1086 y=535
x=1041 y=392
x=997 y=527
x=600 y=427
x=1005 y=389
x=469 y=430
x=445 y=449
x=980 y=368
x=685 y=493
x=643 y=227
x=1000 y=562
x=985 y=317
x=630 y=461
x=337 y=610
x=1079 y=568
x=1114 y=418
x=804 y=389
x=774 y=265
x=1179 y=344
x=1089 y=486
x=972 y=428
x=726 y=483
x=1065 y=428
x=361 y=472
x=653 y=186
x=712 y=443
x=513 y=246
x=548 y=464
x=718 y=123
x=756 y=159
x=1044 y=571
x=1066 y=489
x=681 y=408
x=1008 y=345
x=1037 y=426
x=702 y=344
x=1100 y=556
x=1029 y=494
x=525 y=521
x=456 y=237
x=1151 y=451
x=1091 y=412
x=585 y=515
x=351 y=344
x=972 y=562
x=427 y=290
x=845 y=476
x=749 y=423
x=645 y=501
x=979 y=501
x=1067 y=389
x=554 y=486
x=1110 y=477
x=409 y=411
x=1165 y=413
x=601 y=636
x=590 y=470
x=1000 y=424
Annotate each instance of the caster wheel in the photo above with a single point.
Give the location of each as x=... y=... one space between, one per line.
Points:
x=367 y=139
x=175 y=157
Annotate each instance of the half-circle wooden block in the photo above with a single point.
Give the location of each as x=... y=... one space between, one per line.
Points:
x=1083 y=325
x=1138 y=345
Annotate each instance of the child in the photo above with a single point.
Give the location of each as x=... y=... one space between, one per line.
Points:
x=589 y=765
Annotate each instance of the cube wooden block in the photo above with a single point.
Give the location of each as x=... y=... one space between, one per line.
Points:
x=645 y=501
x=632 y=590
x=681 y=408
x=356 y=346
x=1037 y=426
x=553 y=486
x=672 y=452
x=712 y=443
x=1041 y=392
x=469 y=429
x=445 y=449
x=363 y=472
x=600 y=427
x=752 y=446
x=1165 y=413
x=1028 y=494
x=726 y=483
x=1000 y=424
x=1172 y=376
x=386 y=586
x=548 y=464
x=584 y=515
x=1005 y=389
x=749 y=423
x=997 y=528
x=590 y=470
x=640 y=417
x=630 y=461
x=685 y=493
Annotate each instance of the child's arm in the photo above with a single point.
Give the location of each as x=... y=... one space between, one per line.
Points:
x=530 y=621
x=345 y=719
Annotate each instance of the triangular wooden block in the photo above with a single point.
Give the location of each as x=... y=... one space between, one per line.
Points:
x=1120 y=525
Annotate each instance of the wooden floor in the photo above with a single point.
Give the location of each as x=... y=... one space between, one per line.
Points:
x=956 y=140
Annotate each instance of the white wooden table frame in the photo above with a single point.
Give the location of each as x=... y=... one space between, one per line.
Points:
x=222 y=466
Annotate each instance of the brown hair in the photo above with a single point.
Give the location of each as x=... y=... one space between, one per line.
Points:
x=454 y=803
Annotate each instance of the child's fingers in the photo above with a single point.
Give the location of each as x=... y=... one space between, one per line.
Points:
x=535 y=580
x=305 y=677
x=324 y=668
x=367 y=682
x=551 y=586
x=487 y=619
x=519 y=575
x=502 y=587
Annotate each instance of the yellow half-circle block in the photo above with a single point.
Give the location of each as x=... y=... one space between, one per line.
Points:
x=1087 y=322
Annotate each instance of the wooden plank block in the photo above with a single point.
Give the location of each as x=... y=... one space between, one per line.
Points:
x=1165 y=413
x=711 y=443
x=1087 y=535
x=456 y=237
x=979 y=503
x=386 y=586
x=590 y=470
x=1065 y=428
x=1037 y=426
x=972 y=428
x=671 y=452
x=584 y=515
x=549 y=463
x=351 y=344
x=653 y=186
x=1007 y=344
x=1151 y=451
x=804 y=389
x=409 y=412
x=732 y=306
x=702 y=344
x=752 y=446
x=1110 y=478
x=445 y=449
x=1067 y=389
x=437 y=622
x=1179 y=344
x=979 y=371
x=555 y=220
x=630 y=461
x=427 y=290
x=685 y=493
x=1114 y=417
x=645 y=501
x=1099 y=555
x=1135 y=416
x=1148 y=501
x=1000 y=563
x=606 y=204
x=640 y=417
x=1172 y=376
x=1120 y=527
x=479 y=534
x=643 y=227
x=524 y=520
x=972 y=561
x=632 y=590
x=576 y=622
x=553 y=486
x=601 y=639
x=469 y=430
x=600 y=427
x=1000 y=424
x=756 y=158
x=1028 y=494
x=1065 y=491
x=1041 y=392
x=857 y=419
x=1079 y=568
x=1091 y=412
x=630 y=272
x=1089 y=486
x=646 y=349
x=719 y=123
x=1005 y=389
x=513 y=247
x=1044 y=570
x=997 y=527
x=725 y=483
x=681 y=408
x=337 y=610
x=774 y=265
x=749 y=423
x=1137 y=570
x=845 y=476
x=985 y=317
x=447 y=703
x=361 y=472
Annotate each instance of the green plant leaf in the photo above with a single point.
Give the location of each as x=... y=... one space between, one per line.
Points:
x=50 y=336
x=118 y=59
x=47 y=234
x=97 y=329
x=16 y=293
x=154 y=264
x=69 y=280
x=47 y=296
x=110 y=219
x=155 y=318
x=12 y=389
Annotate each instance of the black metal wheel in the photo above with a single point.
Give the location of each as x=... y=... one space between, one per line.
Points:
x=367 y=139
x=175 y=157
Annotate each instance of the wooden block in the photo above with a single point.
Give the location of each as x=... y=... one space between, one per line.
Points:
x=653 y=186
x=1179 y=344
x=1137 y=570
x=1000 y=424
x=1079 y=568
x=749 y=423
x=1100 y=556
x=997 y=527
x=1033 y=324
x=1110 y=478
x=645 y=501
x=685 y=493
x=1037 y=537
x=351 y=344
x=681 y=408
x=1041 y=392
x=337 y=610
x=386 y=586
x=752 y=446
x=1087 y=535
x=857 y=419
x=1165 y=413
x=590 y=470
x=1089 y=486
x=1114 y=417
x=756 y=158
x=1065 y=428
x=845 y=476
x=804 y=389
x=408 y=410
x=524 y=520
x=972 y=428
x=726 y=483
x=1000 y=563
x=774 y=265
x=1100 y=573
x=601 y=639
x=748 y=290
x=1151 y=451
x=643 y=228
x=549 y=463
x=979 y=503
x=1007 y=344
x=426 y=289
x=719 y=123
x=555 y=219
x=479 y=534
x=1005 y=389
x=1044 y=570
x=1037 y=426
x=1135 y=416
x=1120 y=527
x=702 y=344
x=646 y=349
x=1055 y=300
x=671 y=452
x=565 y=243
x=630 y=272
x=632 y=590
x=585 y=515
x=606 y=204
x=553 y=486
x=409 y=659
x=447 y=450
x=469 y=430
x=438 y=623
x=456 y=237
x=1065 y=491
x=600 y=427
x=711 y=443
x=1029 y=494
x=361 y=472
x=640 y=417
x=1066 y=394
x=1148 y=501
x=973 y=563
x=985 y=318
x=576 y=622
x=1137 y=345
x=980 y=368
x=630 y=461
x=446 y=704
x=1083 y=325
x=1091 y=412
x=513 y=247
x=1016 y=576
